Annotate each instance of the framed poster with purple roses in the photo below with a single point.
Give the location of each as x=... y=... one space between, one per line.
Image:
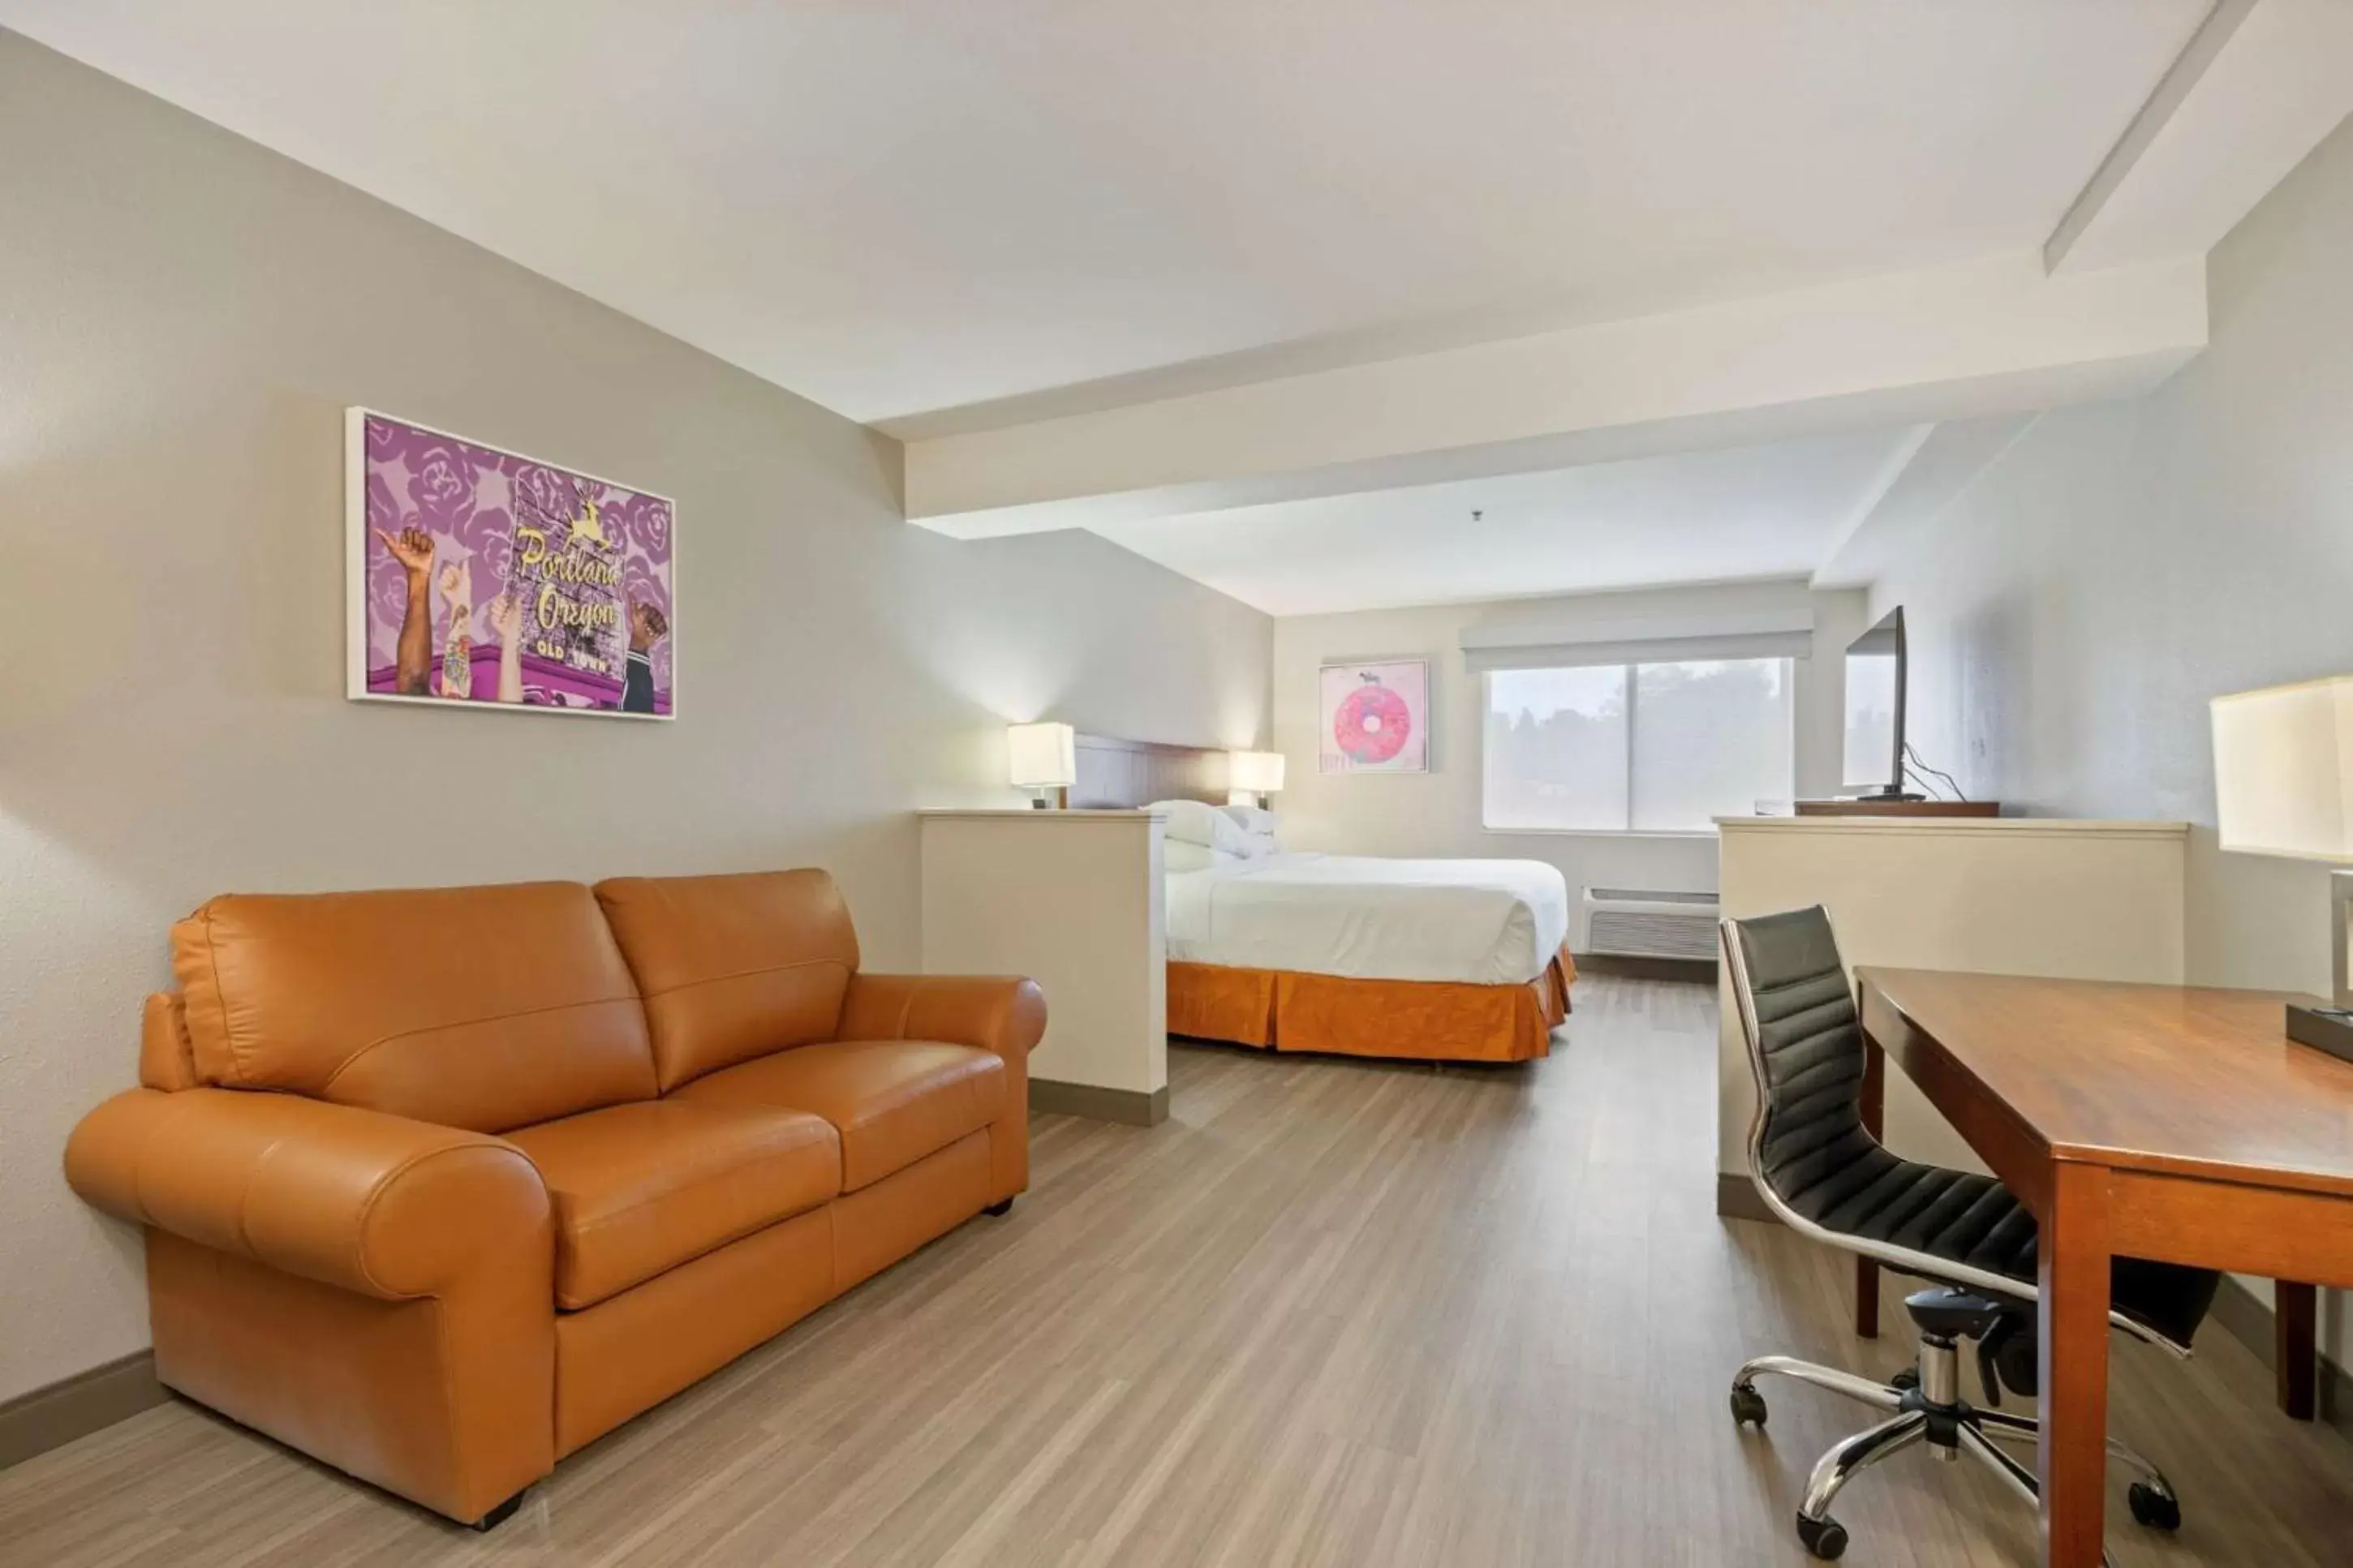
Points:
x=1376 y=716
x=479 y=575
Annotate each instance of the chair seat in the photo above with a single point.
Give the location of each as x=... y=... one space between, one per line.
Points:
x=892 y=1101
x=640 y=1188
x=1972 y=1220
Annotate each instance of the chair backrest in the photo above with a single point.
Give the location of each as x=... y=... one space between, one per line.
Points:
x=1806 y=1051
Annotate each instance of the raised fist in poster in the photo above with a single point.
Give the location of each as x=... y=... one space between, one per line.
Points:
x=647 y=626
x=506 y=620
x=457 y=583
x=412 y=547
x=413 y=656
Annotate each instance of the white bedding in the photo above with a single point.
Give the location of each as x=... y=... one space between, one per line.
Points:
x=1489 y=923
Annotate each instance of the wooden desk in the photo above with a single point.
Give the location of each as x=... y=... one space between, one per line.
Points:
x=2156 y=1121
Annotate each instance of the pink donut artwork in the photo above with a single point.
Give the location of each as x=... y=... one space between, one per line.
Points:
x=1376 y=716
x=1373 y=724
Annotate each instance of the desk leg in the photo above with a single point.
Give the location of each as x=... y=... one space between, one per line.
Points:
x=2295 y=1331
x=2074 y=1265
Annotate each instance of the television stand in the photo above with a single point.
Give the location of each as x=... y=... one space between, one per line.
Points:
x=1898 y=805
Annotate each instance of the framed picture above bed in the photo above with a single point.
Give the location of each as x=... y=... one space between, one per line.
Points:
x=1375 y=716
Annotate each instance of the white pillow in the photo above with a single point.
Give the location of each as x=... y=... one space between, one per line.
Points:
x=1198 y=822
x=1257 y=829
x=1176 y=856
x=1253 y=820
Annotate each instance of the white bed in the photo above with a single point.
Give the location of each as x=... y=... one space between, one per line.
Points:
x=1483 y=922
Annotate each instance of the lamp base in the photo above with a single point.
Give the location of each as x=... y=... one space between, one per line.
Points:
x=2327 y=1029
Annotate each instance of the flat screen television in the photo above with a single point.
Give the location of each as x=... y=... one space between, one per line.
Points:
x=1875 y=710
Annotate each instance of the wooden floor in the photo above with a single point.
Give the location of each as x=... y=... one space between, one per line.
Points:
x=1330 y=1312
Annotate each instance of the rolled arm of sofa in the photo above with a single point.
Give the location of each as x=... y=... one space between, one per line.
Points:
x=374 y=1204
x=1003 y=1014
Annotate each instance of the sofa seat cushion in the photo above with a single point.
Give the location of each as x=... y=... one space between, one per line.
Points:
x=893 y=1101
x=640 y=1188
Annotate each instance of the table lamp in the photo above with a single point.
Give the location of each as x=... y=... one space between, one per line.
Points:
x=2283 y=785
x=1044 y=757
x=1252 y=776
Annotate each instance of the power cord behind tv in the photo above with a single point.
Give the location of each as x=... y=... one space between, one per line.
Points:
x=1916 y=768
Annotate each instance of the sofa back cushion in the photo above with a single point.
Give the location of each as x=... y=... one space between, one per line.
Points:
x=733 y=967
x=485 y=1009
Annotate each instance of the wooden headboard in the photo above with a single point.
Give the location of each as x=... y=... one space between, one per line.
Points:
x=1122 y=774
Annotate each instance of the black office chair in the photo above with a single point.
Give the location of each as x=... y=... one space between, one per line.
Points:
x=1819 y=1169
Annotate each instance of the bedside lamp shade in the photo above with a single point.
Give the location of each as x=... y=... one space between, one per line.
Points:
x=1260 y=772
x=1043 y=756
x=2283 y=769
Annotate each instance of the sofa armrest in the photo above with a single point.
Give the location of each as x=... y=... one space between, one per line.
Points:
x=994 y=1013
x=374 y=1204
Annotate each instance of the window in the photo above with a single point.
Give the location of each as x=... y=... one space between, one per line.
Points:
x=1637 y=748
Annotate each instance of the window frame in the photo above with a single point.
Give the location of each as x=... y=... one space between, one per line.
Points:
x=1631 y=669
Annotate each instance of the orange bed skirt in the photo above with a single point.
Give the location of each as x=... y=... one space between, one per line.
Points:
x=1419 y=1020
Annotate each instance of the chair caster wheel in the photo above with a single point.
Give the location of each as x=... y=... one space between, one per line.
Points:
x=999 y=1210
x=1826 y=1539
x=2153 y=1507
x=1747 y=1408
x=1907 y=1380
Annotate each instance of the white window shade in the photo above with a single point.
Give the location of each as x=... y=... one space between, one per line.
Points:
x=1723 y=634
x=1657 y=747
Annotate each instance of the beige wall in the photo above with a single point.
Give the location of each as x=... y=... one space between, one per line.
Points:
x=2071 y=615
x=183 y=319
x=1437 y=812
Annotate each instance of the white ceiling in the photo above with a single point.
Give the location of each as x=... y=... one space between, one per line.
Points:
x=1093 y=260
x=900 y=205
x=1752 y=511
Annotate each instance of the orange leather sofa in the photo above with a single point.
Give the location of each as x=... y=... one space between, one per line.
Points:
x=441 y=1185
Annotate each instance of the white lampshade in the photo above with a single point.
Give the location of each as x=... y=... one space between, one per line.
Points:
x=2283 y=769
x=1044 y=756
x=1258 y=773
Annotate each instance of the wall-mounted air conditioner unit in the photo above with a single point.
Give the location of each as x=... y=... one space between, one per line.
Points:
x=1635 y=922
